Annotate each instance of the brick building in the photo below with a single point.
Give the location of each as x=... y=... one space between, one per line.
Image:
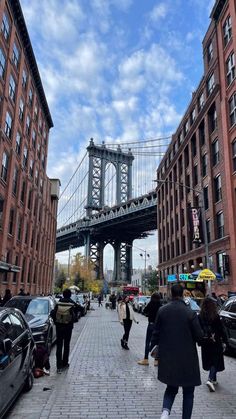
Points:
x=28 y=198
x=202 y=156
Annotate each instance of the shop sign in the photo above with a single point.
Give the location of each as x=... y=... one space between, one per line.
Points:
x=195 y=224
x=206 y=275
x=171 y=278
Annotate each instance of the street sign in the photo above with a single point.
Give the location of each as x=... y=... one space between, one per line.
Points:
x=183 y=277
x=171 y=278
x=206 y=275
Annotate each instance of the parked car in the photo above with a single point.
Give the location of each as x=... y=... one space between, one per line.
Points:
x=139 y=303
x=37 y=313
x=228 y=318
x=147 y=300
x=16 y=356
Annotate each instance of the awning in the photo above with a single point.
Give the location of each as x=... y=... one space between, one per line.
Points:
x=8 y=267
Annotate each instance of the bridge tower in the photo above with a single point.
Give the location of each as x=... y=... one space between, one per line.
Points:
x=99 y=157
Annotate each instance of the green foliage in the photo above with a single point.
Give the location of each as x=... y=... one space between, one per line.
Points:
x=153 y=281
x=60 y=280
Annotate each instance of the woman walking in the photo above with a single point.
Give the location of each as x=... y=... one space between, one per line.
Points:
x=151 y=311
x=212 y=343
x=126 y=317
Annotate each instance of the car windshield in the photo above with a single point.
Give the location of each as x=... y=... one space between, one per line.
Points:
x=37 y=307
x=142 y=299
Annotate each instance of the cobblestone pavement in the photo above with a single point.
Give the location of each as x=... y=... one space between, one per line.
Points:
x=105 y=382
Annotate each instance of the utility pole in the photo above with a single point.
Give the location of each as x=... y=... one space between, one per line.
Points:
x=69 y=256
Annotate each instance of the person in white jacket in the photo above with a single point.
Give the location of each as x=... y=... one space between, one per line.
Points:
x=126 y=317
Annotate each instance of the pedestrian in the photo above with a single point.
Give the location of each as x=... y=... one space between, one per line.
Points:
x=113 y=301
x=212 y=346
x=99 y=300
x=7 y=296
x=176 y=332
x=126 y=317
x=22 y=292
x=64 y=316
x=151 y=311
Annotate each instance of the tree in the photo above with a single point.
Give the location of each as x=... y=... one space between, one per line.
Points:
x=82 y=273
x=60 y=279
x=153 y=281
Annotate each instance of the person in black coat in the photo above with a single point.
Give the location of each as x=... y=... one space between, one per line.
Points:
x=212 y=343
x=176 y=332
x=7 y=297
x=151 y=311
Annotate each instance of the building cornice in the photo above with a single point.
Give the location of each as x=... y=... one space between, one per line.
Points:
x=20 y=23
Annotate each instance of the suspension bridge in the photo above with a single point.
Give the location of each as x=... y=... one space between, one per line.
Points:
x=111 y=199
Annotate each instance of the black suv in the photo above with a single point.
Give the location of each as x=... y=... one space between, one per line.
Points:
x=37 y=313
x=228 y=318
x=16 y=356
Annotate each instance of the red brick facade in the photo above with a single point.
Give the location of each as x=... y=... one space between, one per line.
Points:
x=202 y=156
x=27 y=207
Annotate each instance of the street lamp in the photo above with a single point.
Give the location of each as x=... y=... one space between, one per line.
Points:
x=201 y=205
x=69 y=256
x=145 y=265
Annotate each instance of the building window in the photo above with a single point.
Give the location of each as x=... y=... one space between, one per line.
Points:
x=201 y=131
x=230 y=69
x=28 y=125
x=23 y=270
x=30 y=199
x=209 y=52
x=8 y=125
x=5 y=26
x=205 y=196
x=25 y=157
x=5 y=163
x=217 y=188
x=24 y=79
x=195 y=175
x=1 y=210
x=21 y=110
x=232 y=109
x=41 y=185
x=192 y=116
x=220 y=262
x=212 y=118
x=14 y=279
x=234 y=154
x=2 y=64
x=194 y=145
x=31 y=168
x=200 y=102
x=23 y=189
x=219 y=225
x=36 y=177
x=227 y=30
x=43 y=160
x=30 y=97
x=186 y=127
x=15 y=55
x=210 y=84
x=11 y=221
x=204 y=165
x=34 y=138
x=18 y=143
x=26 y=232
x=12 y=88
x=15 y=180
x=38 y=150
x=208 y=229
x=215 y=152
x=19 y=229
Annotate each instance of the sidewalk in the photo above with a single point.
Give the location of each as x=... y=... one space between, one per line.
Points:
x=105 y=382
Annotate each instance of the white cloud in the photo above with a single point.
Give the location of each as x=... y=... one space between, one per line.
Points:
x=159 y=12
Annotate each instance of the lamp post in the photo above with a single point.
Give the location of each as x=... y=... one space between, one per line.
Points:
x=145 y=267
x=69 y=256
x=204 y=228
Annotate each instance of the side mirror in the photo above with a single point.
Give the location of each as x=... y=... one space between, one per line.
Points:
x=7 y=345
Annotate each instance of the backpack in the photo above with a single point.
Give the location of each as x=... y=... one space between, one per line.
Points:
x=64 y=313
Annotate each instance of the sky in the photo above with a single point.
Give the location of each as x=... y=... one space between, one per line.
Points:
x=115 y=70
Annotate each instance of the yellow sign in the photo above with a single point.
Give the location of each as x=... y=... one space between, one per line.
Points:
x=206 y=275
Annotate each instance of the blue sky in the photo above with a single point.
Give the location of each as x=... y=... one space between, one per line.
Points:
x=115 y=70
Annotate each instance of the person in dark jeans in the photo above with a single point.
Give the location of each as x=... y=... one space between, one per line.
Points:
x=176 y=331
x=151 y=311
x=126 y=317
x=64 y=316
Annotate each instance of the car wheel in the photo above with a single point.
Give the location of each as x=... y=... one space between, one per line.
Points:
x=29 y=381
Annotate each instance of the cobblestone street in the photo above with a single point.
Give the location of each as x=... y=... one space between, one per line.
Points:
x=104 y=381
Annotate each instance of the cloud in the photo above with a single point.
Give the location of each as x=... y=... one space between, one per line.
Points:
x=159 y=12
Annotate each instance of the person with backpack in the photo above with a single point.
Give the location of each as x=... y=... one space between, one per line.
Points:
x=212 y=345
x=64 y=316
